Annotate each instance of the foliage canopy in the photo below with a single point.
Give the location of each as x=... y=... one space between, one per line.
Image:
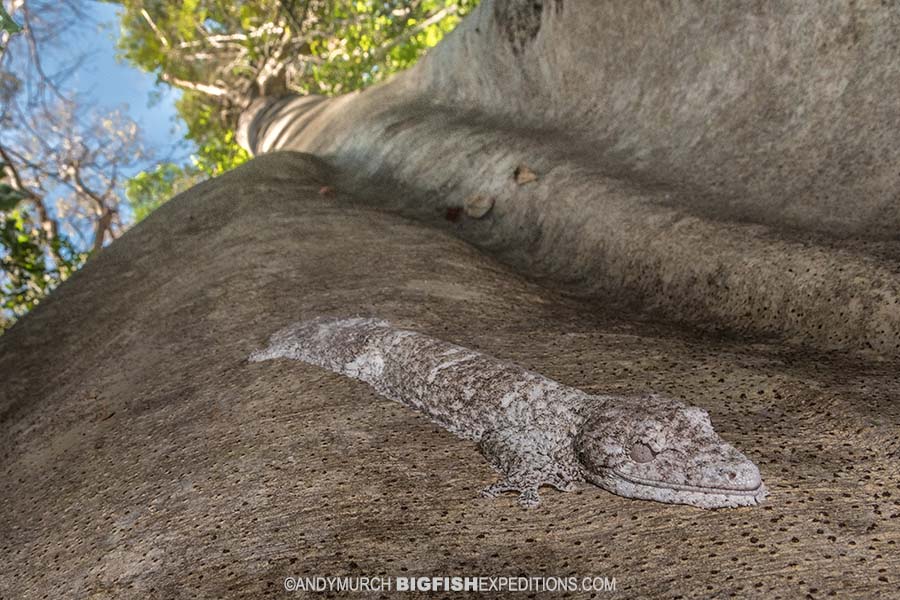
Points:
x=62 y=162
x=63 y=169
x=222 y=55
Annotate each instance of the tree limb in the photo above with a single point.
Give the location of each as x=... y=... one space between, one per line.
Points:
x=203 y=88
x=159 y=34
x=385 y=48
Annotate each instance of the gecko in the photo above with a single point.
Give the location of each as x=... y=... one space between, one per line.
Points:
x=531 y=429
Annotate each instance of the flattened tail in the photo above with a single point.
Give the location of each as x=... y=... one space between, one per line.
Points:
x=321 y=340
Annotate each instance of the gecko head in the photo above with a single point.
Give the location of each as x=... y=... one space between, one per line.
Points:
x=658 y=448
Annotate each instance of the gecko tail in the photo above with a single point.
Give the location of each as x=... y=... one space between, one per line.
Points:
x=321 y=340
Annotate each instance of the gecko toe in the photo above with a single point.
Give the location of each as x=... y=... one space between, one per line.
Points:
x=529 y=498
x=495 y=489
x=565 y=486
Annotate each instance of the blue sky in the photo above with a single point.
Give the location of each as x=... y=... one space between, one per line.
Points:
x=113 y=84
x=106 y=84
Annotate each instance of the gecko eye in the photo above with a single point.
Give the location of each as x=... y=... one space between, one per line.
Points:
x=642 y=453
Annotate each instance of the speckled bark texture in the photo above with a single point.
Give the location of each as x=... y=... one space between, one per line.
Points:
x=142 y=455
x=734 y=165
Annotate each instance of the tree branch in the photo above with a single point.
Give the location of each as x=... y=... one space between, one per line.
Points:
x=14 y=173
x=203 y=88
x=159 y=34
x=290 y=13
x=49 y=225
x=385 y=48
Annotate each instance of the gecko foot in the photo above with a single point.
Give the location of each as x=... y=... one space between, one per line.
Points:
x=564 y=485
x=528 y=496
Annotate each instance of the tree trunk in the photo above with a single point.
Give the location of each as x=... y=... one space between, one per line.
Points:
x=707 y=162
x=142 y=454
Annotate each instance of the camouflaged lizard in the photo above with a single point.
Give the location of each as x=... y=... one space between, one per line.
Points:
x=533 y=430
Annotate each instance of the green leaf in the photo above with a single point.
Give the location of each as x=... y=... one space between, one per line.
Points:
x=28 y=272
x=6 y=22
x=349 y=44
x=9 y=197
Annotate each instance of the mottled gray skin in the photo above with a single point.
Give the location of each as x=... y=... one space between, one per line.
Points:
x=533 y=430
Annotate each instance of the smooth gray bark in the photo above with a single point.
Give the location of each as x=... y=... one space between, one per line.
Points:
x=733 y=165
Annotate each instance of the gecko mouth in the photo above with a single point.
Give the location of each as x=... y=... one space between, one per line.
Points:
x=728 y=491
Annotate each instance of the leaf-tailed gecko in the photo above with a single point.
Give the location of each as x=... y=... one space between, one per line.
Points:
x=533 y=430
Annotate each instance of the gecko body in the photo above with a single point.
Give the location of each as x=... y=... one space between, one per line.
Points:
x=534 y=431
